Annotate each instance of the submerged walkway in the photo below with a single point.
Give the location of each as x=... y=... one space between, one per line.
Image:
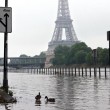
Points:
x=76 y=71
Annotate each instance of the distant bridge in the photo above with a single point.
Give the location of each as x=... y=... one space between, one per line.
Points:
x=19 y=62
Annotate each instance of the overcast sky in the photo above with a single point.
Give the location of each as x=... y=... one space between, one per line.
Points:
x=33 y=23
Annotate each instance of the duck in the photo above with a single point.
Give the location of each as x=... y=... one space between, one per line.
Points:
x=38 y=97
x=49 y=99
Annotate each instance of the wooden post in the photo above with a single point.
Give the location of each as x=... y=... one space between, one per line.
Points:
x=82 y=71
x=105 y=73
x=55 y=70
x=64 y=70
x=90 y=71
x=69 y=71
x=37 y=70
x=75 y=71
x=79 y=71
x=85 y=71
x=99 y=72
x=48 y=70
x=34 y=70
x=60 y=71
x=95 y=71
x=72 y=71
x=31 y=70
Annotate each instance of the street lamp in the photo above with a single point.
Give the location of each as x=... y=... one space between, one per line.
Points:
x=108 y=38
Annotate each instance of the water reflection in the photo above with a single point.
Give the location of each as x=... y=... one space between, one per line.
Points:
x=38 y=103
x=65 y=91
x=7 y=107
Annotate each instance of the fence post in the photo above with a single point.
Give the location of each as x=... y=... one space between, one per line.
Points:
x=60 y=71
x=105 y=73
x=86 y=71
x=79 y=71
x=82 y=71
x=99 y=72
x=46 y=70
x=75 y=71
x=72 y=71
x=95 y=71
x=90 y=71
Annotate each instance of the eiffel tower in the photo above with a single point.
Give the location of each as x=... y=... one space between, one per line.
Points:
x=63 y=21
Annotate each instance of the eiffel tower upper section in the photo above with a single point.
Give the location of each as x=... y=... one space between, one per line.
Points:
x=63 y=21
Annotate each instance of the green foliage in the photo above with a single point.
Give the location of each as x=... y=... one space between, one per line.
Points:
x=42 y=54
x=89 y=59
x=23 y=56
x=103 y=56
x=80 y=57
x=79 y=53
x=61 y=54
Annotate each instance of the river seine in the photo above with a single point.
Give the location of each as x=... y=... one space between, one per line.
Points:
x=70 y=92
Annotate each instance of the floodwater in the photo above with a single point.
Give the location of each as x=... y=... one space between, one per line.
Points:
x=70 y=92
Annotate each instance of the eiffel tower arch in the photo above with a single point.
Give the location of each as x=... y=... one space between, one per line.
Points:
x=63 y=22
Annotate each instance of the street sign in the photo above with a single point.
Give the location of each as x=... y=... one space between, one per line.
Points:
x=5 y=19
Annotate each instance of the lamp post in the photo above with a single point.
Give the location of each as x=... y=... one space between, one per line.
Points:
x=108 y=38
x=5 y=77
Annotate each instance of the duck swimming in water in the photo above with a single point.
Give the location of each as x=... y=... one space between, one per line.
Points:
x=49 y=99
x=38 y=97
